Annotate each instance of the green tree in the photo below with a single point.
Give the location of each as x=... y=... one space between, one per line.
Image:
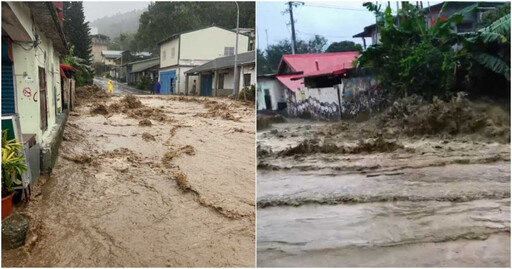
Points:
x=163 y=19
x=413 y=58
x=77 y=29
x=84 y=72
x=317 y=44
x=124 y=41
x=343 y=46
x=493 y=15
x=262 y=66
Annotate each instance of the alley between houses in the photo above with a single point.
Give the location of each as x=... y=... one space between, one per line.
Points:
x=146 y=181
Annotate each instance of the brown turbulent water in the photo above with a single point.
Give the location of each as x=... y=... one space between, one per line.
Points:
x=433 y=202
x=112 y=200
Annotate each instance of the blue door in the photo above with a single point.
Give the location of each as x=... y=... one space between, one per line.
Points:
x=8 y=96
x=206 y=85
x=166 y=79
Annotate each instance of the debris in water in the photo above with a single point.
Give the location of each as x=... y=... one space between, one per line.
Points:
x=130 y=101
x=99 y=109
x=148 y=137
x=167 y=158
x=145 y=123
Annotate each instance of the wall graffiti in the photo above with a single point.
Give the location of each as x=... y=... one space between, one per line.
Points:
x=361 y=94
x=348 y=99
x=312 y=107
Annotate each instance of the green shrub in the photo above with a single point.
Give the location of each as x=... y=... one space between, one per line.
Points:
x=249 y=93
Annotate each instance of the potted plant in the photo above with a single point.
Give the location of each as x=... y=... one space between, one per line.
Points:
x=13 y=165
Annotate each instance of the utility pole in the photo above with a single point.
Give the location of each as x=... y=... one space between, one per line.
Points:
x=292 y=22
x=397 y=18
x=235 y=75
x=266 y=33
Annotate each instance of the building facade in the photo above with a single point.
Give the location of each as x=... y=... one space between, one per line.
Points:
x=470 y=22
x=216 y=78
x=181 y=52
x=99 y=44
x=32 y=89
x=270 y=93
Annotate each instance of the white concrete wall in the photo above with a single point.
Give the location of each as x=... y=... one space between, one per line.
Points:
x=276 y=91
x=166 y=56
x=209 y=43
x=26 y=72
x=328 y=95
x=316 y=102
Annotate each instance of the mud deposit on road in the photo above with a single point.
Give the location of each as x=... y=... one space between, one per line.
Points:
x=349 y=194
x=178 y=192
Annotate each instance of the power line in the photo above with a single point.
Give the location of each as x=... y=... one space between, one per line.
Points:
x=335 y=36
x=335 y=7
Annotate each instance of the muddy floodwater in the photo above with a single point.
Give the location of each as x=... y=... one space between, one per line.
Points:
x=430 y=202
x=165 y=182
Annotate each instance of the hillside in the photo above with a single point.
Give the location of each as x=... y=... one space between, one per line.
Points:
x=119 y=23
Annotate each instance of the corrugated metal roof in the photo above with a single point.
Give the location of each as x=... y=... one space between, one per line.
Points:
x=144 y=64
x=225 y=62
x=313 y=64
x=291 y=82
x=111 y=53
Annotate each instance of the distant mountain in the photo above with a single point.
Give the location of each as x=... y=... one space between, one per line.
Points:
x=119 y=23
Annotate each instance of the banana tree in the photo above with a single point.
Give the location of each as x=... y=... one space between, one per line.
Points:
x=490 y=46
x=413 y=58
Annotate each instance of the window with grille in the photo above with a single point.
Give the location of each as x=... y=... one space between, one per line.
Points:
x=228 y=51
x=247 y=80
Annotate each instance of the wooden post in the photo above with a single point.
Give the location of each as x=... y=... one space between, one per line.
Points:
x=215 y=79
x=198 y=85
x=186 y=84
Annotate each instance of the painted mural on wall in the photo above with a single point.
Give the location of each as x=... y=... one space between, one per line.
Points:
x=360 y=95
x=350 y=98
x=306 y=103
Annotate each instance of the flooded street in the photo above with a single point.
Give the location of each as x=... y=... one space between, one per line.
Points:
x=165 y=182
x=347 y=202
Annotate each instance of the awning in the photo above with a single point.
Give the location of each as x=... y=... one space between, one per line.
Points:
x=66 y=70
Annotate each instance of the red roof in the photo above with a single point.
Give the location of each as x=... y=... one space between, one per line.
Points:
x=314 y=64
x=291 y=81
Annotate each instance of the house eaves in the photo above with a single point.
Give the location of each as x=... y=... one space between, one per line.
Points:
x=225 y=62
x=186 y=32
x=46 y=18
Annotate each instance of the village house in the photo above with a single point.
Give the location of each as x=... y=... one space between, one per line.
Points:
x=183 y=51
x=270 y=93
x=147 y=68
x=318 y=84
x=252 y=36
x=99 y=44
x=470 y=23
x=216 y=78
x=109 y=57
x=35 y=88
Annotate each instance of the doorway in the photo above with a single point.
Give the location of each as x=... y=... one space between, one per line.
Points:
x=268 y=101
x=43 y=109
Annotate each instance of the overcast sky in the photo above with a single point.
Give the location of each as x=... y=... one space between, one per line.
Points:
x=336 y=21
x=94 y=10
